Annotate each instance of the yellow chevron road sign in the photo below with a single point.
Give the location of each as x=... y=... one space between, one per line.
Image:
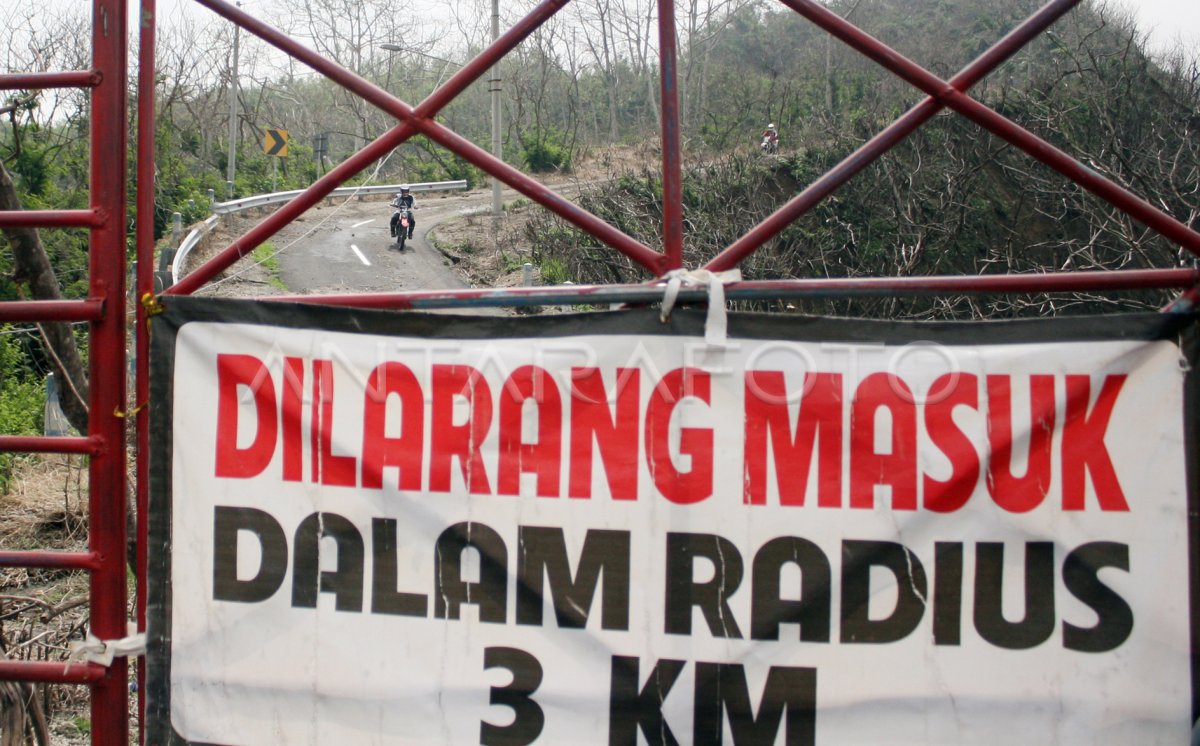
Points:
x=275 y=141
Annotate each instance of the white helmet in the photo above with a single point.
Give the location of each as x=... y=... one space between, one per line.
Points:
x=404 y=187
x=771 y=126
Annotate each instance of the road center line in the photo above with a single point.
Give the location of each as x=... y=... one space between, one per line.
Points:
x=356 y=225
x=360 y=254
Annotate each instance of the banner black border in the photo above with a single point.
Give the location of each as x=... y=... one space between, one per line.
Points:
x=1189 y=342
x=684 y=322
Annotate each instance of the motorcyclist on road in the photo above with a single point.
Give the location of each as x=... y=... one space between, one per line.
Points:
x=404 y=200
x=770 y=137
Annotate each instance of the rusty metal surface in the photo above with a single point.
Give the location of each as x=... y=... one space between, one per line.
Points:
x=41 y=444
x=51 y=310
x=68 y=79
x=42 y=559
x=107 y=365
x=52 y=673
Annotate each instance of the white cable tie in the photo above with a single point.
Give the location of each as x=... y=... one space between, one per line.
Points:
x=95 y=650
x=716 y=323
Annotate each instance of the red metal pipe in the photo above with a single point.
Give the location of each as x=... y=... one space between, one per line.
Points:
x=51 y=310
x=47 y=560
x=998 y=125
x=1107 y=189
x=51 y=219
x=1185 y=302
x=69 y=79
x=39 y=444
x=638 y=252
x=1058 y=282
x=850 y=166
x=672 y=182
x=52 y=673
x=1140 y=279
x=483 y=62
x=144 y=283
x=1011 y=43
x=106 y=365
x=423 y=122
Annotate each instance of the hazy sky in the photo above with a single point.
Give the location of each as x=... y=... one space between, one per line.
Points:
x=1166 y=20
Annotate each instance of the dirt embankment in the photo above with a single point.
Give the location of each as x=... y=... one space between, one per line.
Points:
x=491 y=252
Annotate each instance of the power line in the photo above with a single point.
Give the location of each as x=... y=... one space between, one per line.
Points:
x=25 y=330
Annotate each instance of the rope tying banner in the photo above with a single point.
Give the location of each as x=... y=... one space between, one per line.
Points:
x=716 y=323
x=95 y=650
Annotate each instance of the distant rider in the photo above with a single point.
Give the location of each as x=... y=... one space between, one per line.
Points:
x=770 y=137
x=404 y=200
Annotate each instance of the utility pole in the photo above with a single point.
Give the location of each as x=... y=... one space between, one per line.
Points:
x=233 y=128
x=497 y=206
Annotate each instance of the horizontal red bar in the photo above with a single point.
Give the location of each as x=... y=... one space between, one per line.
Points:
x=50 y=219
x=52 y=310
x=47 y=560
x=51 y=673
x=1055 y=282
x=1141 y=279
x=38 y=444
x=69 y=79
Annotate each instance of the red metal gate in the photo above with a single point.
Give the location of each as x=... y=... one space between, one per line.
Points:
x=105 y=308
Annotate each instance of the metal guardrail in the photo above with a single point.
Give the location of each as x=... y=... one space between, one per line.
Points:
x=189 y=243
x=222 y=208
x=226 y=208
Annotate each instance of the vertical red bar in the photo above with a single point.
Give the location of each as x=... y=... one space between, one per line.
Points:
x=107 y=364
x=672 y=186
x=145 y=286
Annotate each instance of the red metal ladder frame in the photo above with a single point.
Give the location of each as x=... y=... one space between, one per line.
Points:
x=104 y=310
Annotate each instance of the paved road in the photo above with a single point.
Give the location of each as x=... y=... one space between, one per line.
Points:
x=347 y=248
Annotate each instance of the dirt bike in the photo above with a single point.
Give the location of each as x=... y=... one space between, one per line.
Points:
x=401 y=223
x=768 y=145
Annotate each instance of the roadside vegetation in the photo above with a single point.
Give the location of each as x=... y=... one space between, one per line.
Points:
x=951 y=199
x=266 y=257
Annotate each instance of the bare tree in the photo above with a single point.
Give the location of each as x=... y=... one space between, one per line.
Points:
x=351 y=33
x=595 y=22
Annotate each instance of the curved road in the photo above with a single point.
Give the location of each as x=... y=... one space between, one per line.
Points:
x=346 y=247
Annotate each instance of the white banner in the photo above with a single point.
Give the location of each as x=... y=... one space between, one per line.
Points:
x=511 y=531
